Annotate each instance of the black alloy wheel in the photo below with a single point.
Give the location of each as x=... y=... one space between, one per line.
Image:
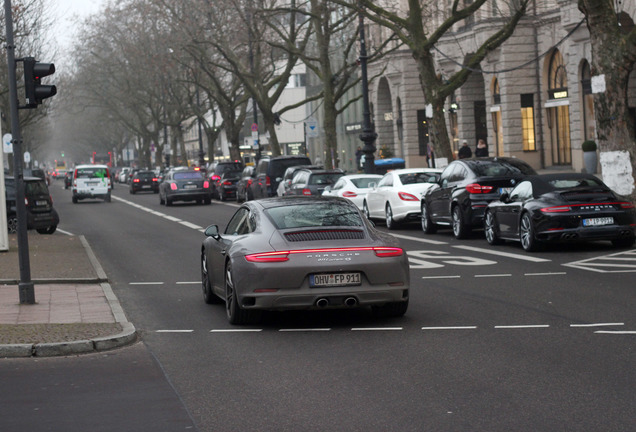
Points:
x=208 y=295
x=490 y=229
x=235 y=313
x=428 y=226
x=526 y=234
x=460 y=229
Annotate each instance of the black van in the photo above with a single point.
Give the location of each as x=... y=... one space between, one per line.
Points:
x=41 y=215
x=269 y=172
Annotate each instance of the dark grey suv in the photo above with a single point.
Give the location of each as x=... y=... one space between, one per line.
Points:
x=312 y=181
x=269 y=172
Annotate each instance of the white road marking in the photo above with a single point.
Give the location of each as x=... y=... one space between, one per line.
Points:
x=597 y=325
x=451 y=328
x=235 y=330
x=608 y=263
x=417 y=239
x=191 y=225
x=64 y=232
x=504 y=254
x=618 y=332
x=145 y=283
x=306 y=330
x=441 y=277
x=494 y=275
x=189 y=283
x=420 y=259
x=523 y=326
x=376 y=328
x=545 y=274
x=174 y=331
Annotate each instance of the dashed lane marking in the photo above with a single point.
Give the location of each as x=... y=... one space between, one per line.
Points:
x=145 y=283
x=174 y=331
x=524 y=326
x=597 y=325
x=451 y=328
x=421 y=240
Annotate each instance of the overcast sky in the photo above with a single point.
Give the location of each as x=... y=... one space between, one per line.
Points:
x=66 y=14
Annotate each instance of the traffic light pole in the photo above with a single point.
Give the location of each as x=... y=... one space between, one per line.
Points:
x=27 y=291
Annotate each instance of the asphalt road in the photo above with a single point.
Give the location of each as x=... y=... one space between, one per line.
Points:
x=495 y=339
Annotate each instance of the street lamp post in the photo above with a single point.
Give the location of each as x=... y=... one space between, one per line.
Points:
x=368 y=135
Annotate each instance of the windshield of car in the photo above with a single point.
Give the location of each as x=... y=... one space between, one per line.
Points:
x=91 y=172
x=497 y=168
x=280 y=165
x=35 y=188
x=145 y=174
x=316 y=214
x=232 y=175
x=192 y=175
x=414 y=178
x=324 y=179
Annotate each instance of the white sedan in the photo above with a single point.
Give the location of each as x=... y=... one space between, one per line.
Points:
x=396 y=198
x=354 y=187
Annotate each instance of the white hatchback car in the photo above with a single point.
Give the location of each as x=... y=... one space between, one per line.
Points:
x=354 y=187
x=91 y=181
x=396 y=198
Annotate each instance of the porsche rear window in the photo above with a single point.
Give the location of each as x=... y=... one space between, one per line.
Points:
x=319 y=214
x=574 y=183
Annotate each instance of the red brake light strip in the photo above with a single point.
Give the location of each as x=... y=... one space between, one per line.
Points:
x=281 y=256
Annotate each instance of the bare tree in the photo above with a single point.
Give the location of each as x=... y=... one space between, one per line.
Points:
x=613 y=58
x=412 y=22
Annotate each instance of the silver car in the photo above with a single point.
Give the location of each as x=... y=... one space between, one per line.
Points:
x=302 y=253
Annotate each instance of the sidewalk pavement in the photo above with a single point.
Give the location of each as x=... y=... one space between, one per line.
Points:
x=75 y=309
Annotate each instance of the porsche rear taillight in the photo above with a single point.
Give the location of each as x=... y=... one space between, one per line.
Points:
x=476 y=188
x=282 y=256
x=626 y=205
x=556 y=209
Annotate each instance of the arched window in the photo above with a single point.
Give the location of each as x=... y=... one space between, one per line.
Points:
x=557 y=77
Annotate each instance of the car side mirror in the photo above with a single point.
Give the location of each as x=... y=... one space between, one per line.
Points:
x=328 y=189
x=212 y=231
x=278 y=179
x=504 y=197
x=372 y=185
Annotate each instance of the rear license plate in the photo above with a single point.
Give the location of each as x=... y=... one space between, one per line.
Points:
x=598 y=221
x=145 y=186
x=41 y=203
x=506 y=190
x=190 y=186
x=334 y=279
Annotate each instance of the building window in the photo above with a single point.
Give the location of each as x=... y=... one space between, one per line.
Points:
x=496 y=92
x=527 y=122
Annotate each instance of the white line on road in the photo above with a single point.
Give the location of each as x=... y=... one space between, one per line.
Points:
x=597 y=325
x=451 y=328
x=376 y=328
x=174 y=331
x=65 y=232
x=441 y=277
x=494 y=275
x=306 y=330
x=191 y=225
x=505 y=254
x=523 y=326
x=145 y=283
x=417 y=239
x=189 y=283
x=618 y=332
x=545 y=274
x=235 y=330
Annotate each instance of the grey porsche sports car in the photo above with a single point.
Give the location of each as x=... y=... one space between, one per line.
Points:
x=302 y=253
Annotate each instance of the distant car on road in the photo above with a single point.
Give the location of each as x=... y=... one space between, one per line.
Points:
x=354 y=187
x=269 y=172
x=460 y=196
x=184 y=185
x=226 y=187
x=560 y=208
x=41 y=216
x=91 y=181
x=302 y=253
x=243 y=185
x=145 y=180
x=313 y=181
x=396 y=198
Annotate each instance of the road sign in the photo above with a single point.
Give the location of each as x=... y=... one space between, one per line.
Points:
x=311 y=127
x=254 y=127
x=7 y=145
x=27 y=157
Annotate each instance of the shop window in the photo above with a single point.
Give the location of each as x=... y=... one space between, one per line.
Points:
x=527 y=122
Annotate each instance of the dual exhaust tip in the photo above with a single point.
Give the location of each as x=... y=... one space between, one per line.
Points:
x=323 y=302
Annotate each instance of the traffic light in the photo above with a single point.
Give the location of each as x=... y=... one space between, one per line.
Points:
x=34 y=91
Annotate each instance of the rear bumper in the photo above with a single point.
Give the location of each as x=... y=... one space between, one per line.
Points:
x=42 y=220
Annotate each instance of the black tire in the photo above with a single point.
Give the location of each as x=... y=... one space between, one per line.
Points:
x=388 y=217
x=161 y=200
x=390 y=310
x=74 y=199
x=47 y=230
x=207 y=201
x=222 y=196
x=490 y=229
x=12 y=224
x=526 y=234
x=623 y=242
x=365 y=210
x=460 y=229
x=208 y=294
x=168 y=202
x=235 y=313
x=107 y=197
x=428 y=226
x=132 y=192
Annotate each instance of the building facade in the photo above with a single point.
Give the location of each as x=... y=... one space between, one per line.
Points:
x=532 y=98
